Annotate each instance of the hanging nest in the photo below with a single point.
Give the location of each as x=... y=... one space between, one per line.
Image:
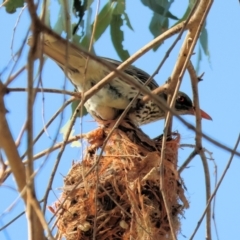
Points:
x=117 y=196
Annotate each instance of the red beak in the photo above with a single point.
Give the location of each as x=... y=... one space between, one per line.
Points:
x=203 y=114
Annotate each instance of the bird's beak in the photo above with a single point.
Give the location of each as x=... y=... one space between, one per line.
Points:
x=203 y=114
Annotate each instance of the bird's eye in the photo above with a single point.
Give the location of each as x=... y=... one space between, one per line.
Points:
x=181 y=99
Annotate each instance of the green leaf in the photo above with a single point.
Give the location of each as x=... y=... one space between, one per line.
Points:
x=64 y=131
x=46 y=7
x=82 y=112
x=76 y=39
x=119 y=8
x=126 y=18
x=184 y=17
x=199 y=59
x=160 y=9
x=202 y=46
x=58 y=27
x=118 y=37
x=192 y=3
x=103 y=21
x=12 y=5
x=158 y=25
x=187 y=12
x=204 y=41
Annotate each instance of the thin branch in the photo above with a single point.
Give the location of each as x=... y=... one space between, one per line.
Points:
x=47 y=90
x=18 y=140
x=8 y=145
x=216 y=189
x=51 y=120
x=66 y=137
x=85 y=71
x=14 y=28
x=179 y=36
x=34 y=203
x=12 y=77
x=35 y=226
x=56 y=146
x=199 y=148
x=8 y=171
x=174 y=85
x=12 y=221
x=187 y=161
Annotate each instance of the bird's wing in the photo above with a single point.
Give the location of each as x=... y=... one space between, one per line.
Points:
x=75 y=59
x=136 y=72
x=60 y=52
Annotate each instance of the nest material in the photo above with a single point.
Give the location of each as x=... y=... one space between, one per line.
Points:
x=120 y=197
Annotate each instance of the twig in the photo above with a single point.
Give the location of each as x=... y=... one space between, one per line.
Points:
x=56 y=146
x=35 y=228
x=34 y=203
x=51 y=120
x=8 y=171
x=188 y=160
x=14 y=29
x=85 y=71
x=18 y=140
x=174 y=86
x=165 y=87
x=216 y=189
x=11 y=78
x=73 y=119
x=214 y=203
x=12 y=221
x=47 y=90
x=199 y=148
x=8 y=145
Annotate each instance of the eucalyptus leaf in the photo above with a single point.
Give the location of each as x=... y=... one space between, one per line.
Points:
x=126 y=18
x=199 y=58
x=117 y=36
x=82 y=112
x=103 y=21
x=46 y=7
x=58 y=27
x=157 y=8
x=12 y=5
x=184 y=17
x=64 y=131
x=158 y=25
x=204 y=41
x=120 y=7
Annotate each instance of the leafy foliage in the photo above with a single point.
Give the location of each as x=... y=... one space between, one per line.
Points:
x=82 y=112
x=161 y=14
x=12 y=5
x=103 y=21
x=117 y=36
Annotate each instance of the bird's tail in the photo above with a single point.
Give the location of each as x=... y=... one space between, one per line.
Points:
x=61 y=51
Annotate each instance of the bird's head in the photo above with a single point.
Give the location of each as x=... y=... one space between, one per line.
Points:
x=184 y=105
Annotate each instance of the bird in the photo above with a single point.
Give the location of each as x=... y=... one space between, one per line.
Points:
x=111 y=100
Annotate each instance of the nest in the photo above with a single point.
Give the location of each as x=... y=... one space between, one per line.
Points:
x=117 y=196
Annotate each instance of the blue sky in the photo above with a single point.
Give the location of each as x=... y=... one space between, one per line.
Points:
x=219 y=97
